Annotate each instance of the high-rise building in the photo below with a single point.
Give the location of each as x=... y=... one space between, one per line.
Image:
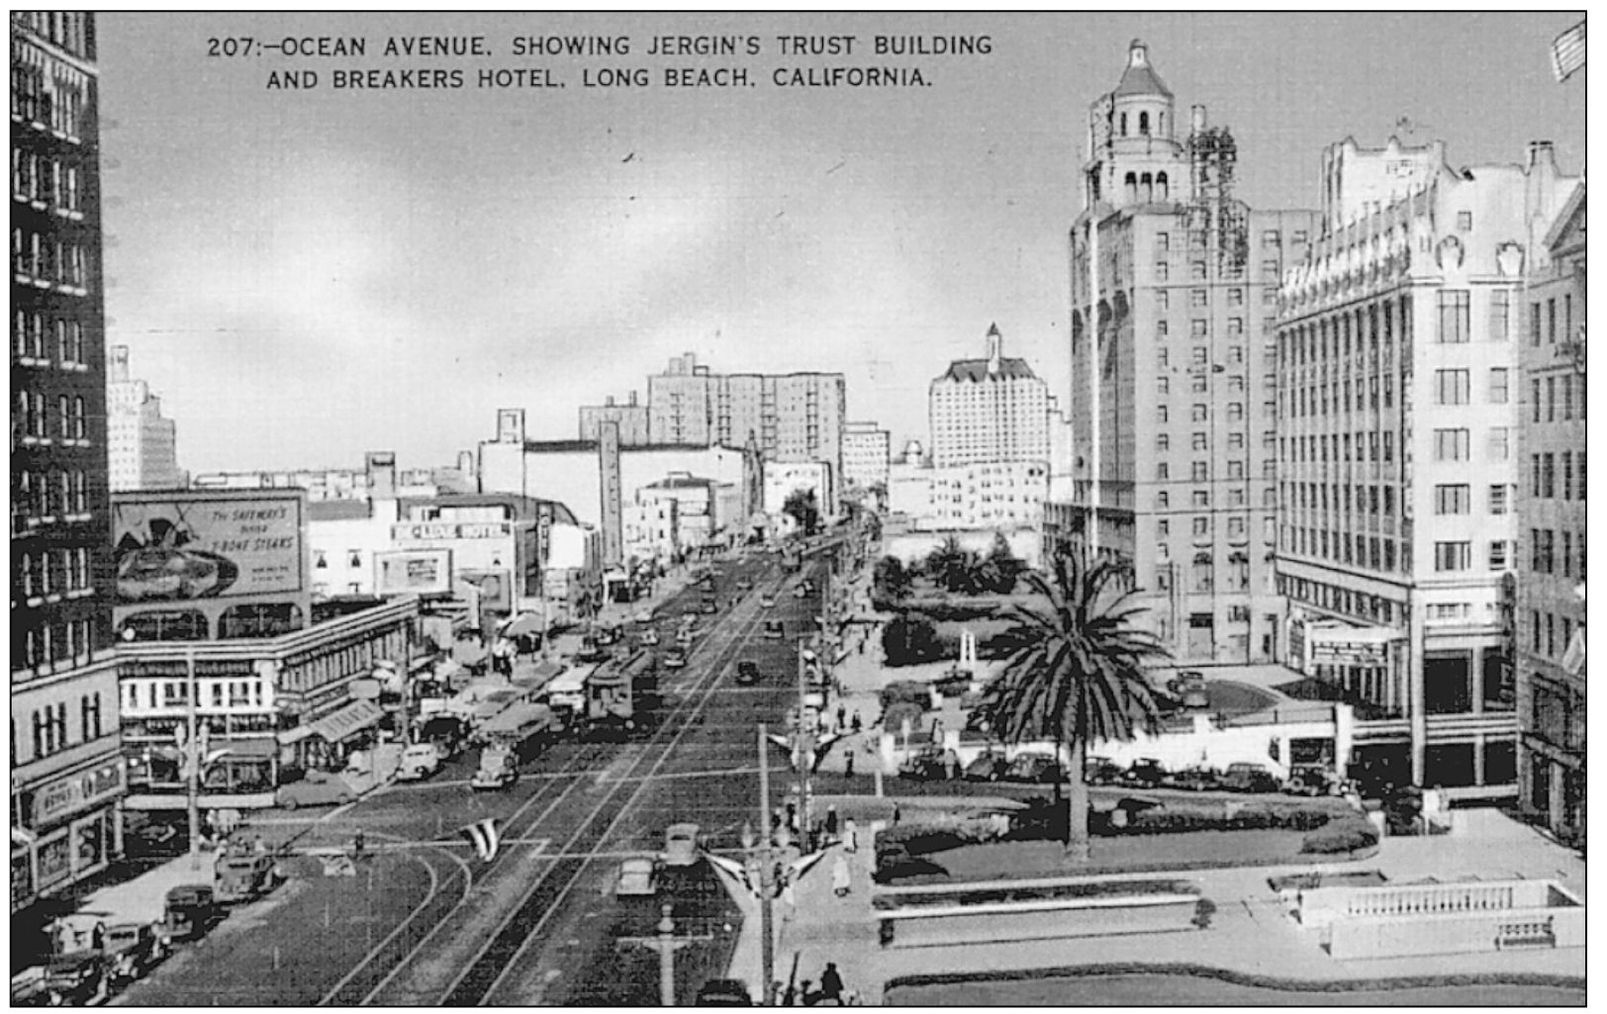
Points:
x=66 y=775
x=793 y=417
x=1550 y=559
x=1398 y=405
x=867 y=451
x=1172 y=407
x=993 y=409
x=141 y=445
x=631 y=418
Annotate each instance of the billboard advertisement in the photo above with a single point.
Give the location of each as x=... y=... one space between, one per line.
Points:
x=206 y=546
x=495 y=587
x=416 y=572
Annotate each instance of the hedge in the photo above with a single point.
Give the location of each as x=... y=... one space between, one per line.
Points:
x=1347 y=834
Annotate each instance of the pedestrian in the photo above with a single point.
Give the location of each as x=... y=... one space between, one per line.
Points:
x=358 y=841
x=842 y=716
x=848 y=765
x=951 y=764
x=831 y=823
x=841 y=879
x=792 y=815
x=259 y=846
x=856 y=724
x=850 y=835
x=896 y=813
x=831 y=984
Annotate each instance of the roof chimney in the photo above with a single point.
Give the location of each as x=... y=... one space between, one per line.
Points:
x=1197 y=118
x=608 y=401
x=1541 y=151
x=994 y=342
x=633 y=399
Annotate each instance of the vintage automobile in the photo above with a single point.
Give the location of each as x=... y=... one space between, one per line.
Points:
x=318 y=788
x=1246 y=777
x=924 y=766
x=680 y=844
x=747 y=672
x=767 y=601
x=1102 y=771
x=78 y=979
x=724 y=993
x=675 y=658
x=1311 y=780
x=419 y=761
x=131 y=949
x=636 y=879
x=1146 y=771
x=988 y=767
x=1034 y=767
x=774 y=630
x=188 y=912
x=743 y=584
x=647 y=638
x=1194 y=779
x=244 y=876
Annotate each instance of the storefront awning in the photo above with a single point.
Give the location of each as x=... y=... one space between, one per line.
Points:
x=338 y=725
x=247 y=748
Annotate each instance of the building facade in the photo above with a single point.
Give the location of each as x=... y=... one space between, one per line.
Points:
x=1172 y=404
x=989 y=410
x=994 y=496
x=630 y=417
x=867 y=452
x=1397 y=356
x=66 y=773
x=141 y=444
x=1550 y=615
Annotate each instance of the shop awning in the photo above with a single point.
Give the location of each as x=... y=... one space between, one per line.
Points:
x=248 y=748
x=529 y=623
x=340 y=725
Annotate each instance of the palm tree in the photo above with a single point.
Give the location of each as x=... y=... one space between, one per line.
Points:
x=1074 y=672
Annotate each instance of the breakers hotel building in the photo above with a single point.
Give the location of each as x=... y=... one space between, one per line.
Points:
x=1398 y=457
x=1174 y=404
x=66 y=774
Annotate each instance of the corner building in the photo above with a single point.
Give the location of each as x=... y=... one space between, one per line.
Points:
x=66 y=775
x=1397 y=462
x=1173 y=400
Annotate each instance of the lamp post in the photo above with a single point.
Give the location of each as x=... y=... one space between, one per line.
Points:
x=192 y=760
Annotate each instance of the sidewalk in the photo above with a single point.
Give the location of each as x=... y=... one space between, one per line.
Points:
x=1249 y=930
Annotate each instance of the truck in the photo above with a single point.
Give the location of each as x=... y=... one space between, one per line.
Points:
x=499 y=768
x=623 y=696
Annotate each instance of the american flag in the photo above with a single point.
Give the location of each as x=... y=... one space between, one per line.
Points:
x=1568 y=52
x=484 y=837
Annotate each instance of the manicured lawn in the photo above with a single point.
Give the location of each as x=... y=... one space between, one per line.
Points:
x=1182 y=989
x=1129 y=853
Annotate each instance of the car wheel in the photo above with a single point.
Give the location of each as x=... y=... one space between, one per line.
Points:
x=290 y=803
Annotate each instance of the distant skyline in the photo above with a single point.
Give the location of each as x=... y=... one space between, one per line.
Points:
x=306 y=276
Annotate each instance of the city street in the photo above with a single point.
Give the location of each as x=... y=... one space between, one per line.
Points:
x=424 y=922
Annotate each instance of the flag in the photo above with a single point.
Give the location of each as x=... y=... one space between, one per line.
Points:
x=484 y=837
x=1568 y=52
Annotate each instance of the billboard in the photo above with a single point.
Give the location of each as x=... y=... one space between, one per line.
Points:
x=199 y=545
x=417 y=572
x=495 y=587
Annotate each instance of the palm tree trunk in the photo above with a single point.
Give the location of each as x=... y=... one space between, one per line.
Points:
x=1076 y=805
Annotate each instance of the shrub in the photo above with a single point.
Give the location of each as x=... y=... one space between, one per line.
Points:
x=893 y=717
x=908 y=640
x=911 y=691
x=1344 y=835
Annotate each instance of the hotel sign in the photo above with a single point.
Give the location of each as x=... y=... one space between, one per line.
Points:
x=436 y=531
x=60 y=798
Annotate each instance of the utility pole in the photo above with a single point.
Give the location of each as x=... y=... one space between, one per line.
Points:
x=806 y=743
x=666 y=943
x=192 y=747
x=767 y=876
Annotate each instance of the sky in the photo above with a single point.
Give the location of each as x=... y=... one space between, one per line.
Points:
x=306 y=275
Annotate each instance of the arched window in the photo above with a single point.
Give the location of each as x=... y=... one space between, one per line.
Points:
x=1124 y=124
x=1131 y=185
x=1143 y=124
x=1146 y=188
x=1161 y=191
x=1160 y=124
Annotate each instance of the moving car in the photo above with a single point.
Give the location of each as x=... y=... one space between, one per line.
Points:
x=680 y=844
x=131 y=949
x=635 y=879
x=724 y=993
x=744 y=585
x=647 y=638
x=1245 y=777
x=188 y=912
x=774 y=630
x=419 y=761
x=675 y=658
x=75 y=980
x=747 y=673
x=318 y=788
x=767 y=601
x=709 y=606
x=499 y=768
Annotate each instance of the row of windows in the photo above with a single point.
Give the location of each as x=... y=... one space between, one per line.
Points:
x=1543 y=474
x=1270 y=239
x=176 y=693
x=71 y=641
x=1337 y=338
x=1457 y=498
x=54 y=570
x=67 y=29
x=1199 y=412
x=1200 y=471
x=1201 y=576
x=1201 y=498
x=1550 y=320
x=1201 y=441
x=1364 y=445
x=1368 y=499
x=33 y=416
x=1558 y=401
x=47 y=258
x=1344 y=600
x=48 y=495
x=1315 y=399
x=1370 y=551
x=1200 y=525
x=50 y=728
x=1553 y=552
x=56 y=100
x=38 y=335
x=1543 y=630
x=38 y=177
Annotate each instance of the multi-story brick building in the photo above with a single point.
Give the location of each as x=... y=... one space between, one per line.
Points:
x=1398 y=400
x=993 y=409
x=66 y=775
x=1173 y=407
x=1549 y=640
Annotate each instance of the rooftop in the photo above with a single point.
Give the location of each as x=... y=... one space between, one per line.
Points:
x=976 y=370
x=1140 y=78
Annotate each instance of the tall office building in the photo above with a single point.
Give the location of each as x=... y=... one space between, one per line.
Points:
x=793 y=417
x=1172 y=407
x=66 y=774
x=867 y=452
x=993 y=409
x=1398 y=405
x=141 y=444
x=1550 y=558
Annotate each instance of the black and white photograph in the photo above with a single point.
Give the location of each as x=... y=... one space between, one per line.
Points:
x=924 y=509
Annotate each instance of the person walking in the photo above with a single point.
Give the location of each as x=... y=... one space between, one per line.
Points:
x=856 y=724
x=850 y=835
x=848 y=765
x=831 y=984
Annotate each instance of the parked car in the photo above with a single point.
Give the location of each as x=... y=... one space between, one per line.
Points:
x=767 y=601
x=636 y=879
x=724 y=993
x=643 y=616
x=131 y=949
x=1034 y=767
x=680 y=844
x=744 y=584
x=1311 y=780
x=647 y=638
x=1101 y=771
x=1195 y=698
x=591 y=650
x=747 y=672
x=318 y=788
x=774 y=630
x=1244 y=777
x=1146 y=771
x=954 y=683
x=75 y=980
x=675 y=658
x=1194 y=779
x=924 y=766
x=988 y=767
x=709 y=606
x=419 y=761
x=1185 y=679
x=244 y=877
x=189 y=911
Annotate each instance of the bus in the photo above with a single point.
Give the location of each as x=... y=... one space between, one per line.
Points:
x=623 y=695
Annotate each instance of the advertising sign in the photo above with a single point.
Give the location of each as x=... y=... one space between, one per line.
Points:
x=434 y=531
x=202 y=546
x=77 y=792
x=419 y=571
x=495 y=587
